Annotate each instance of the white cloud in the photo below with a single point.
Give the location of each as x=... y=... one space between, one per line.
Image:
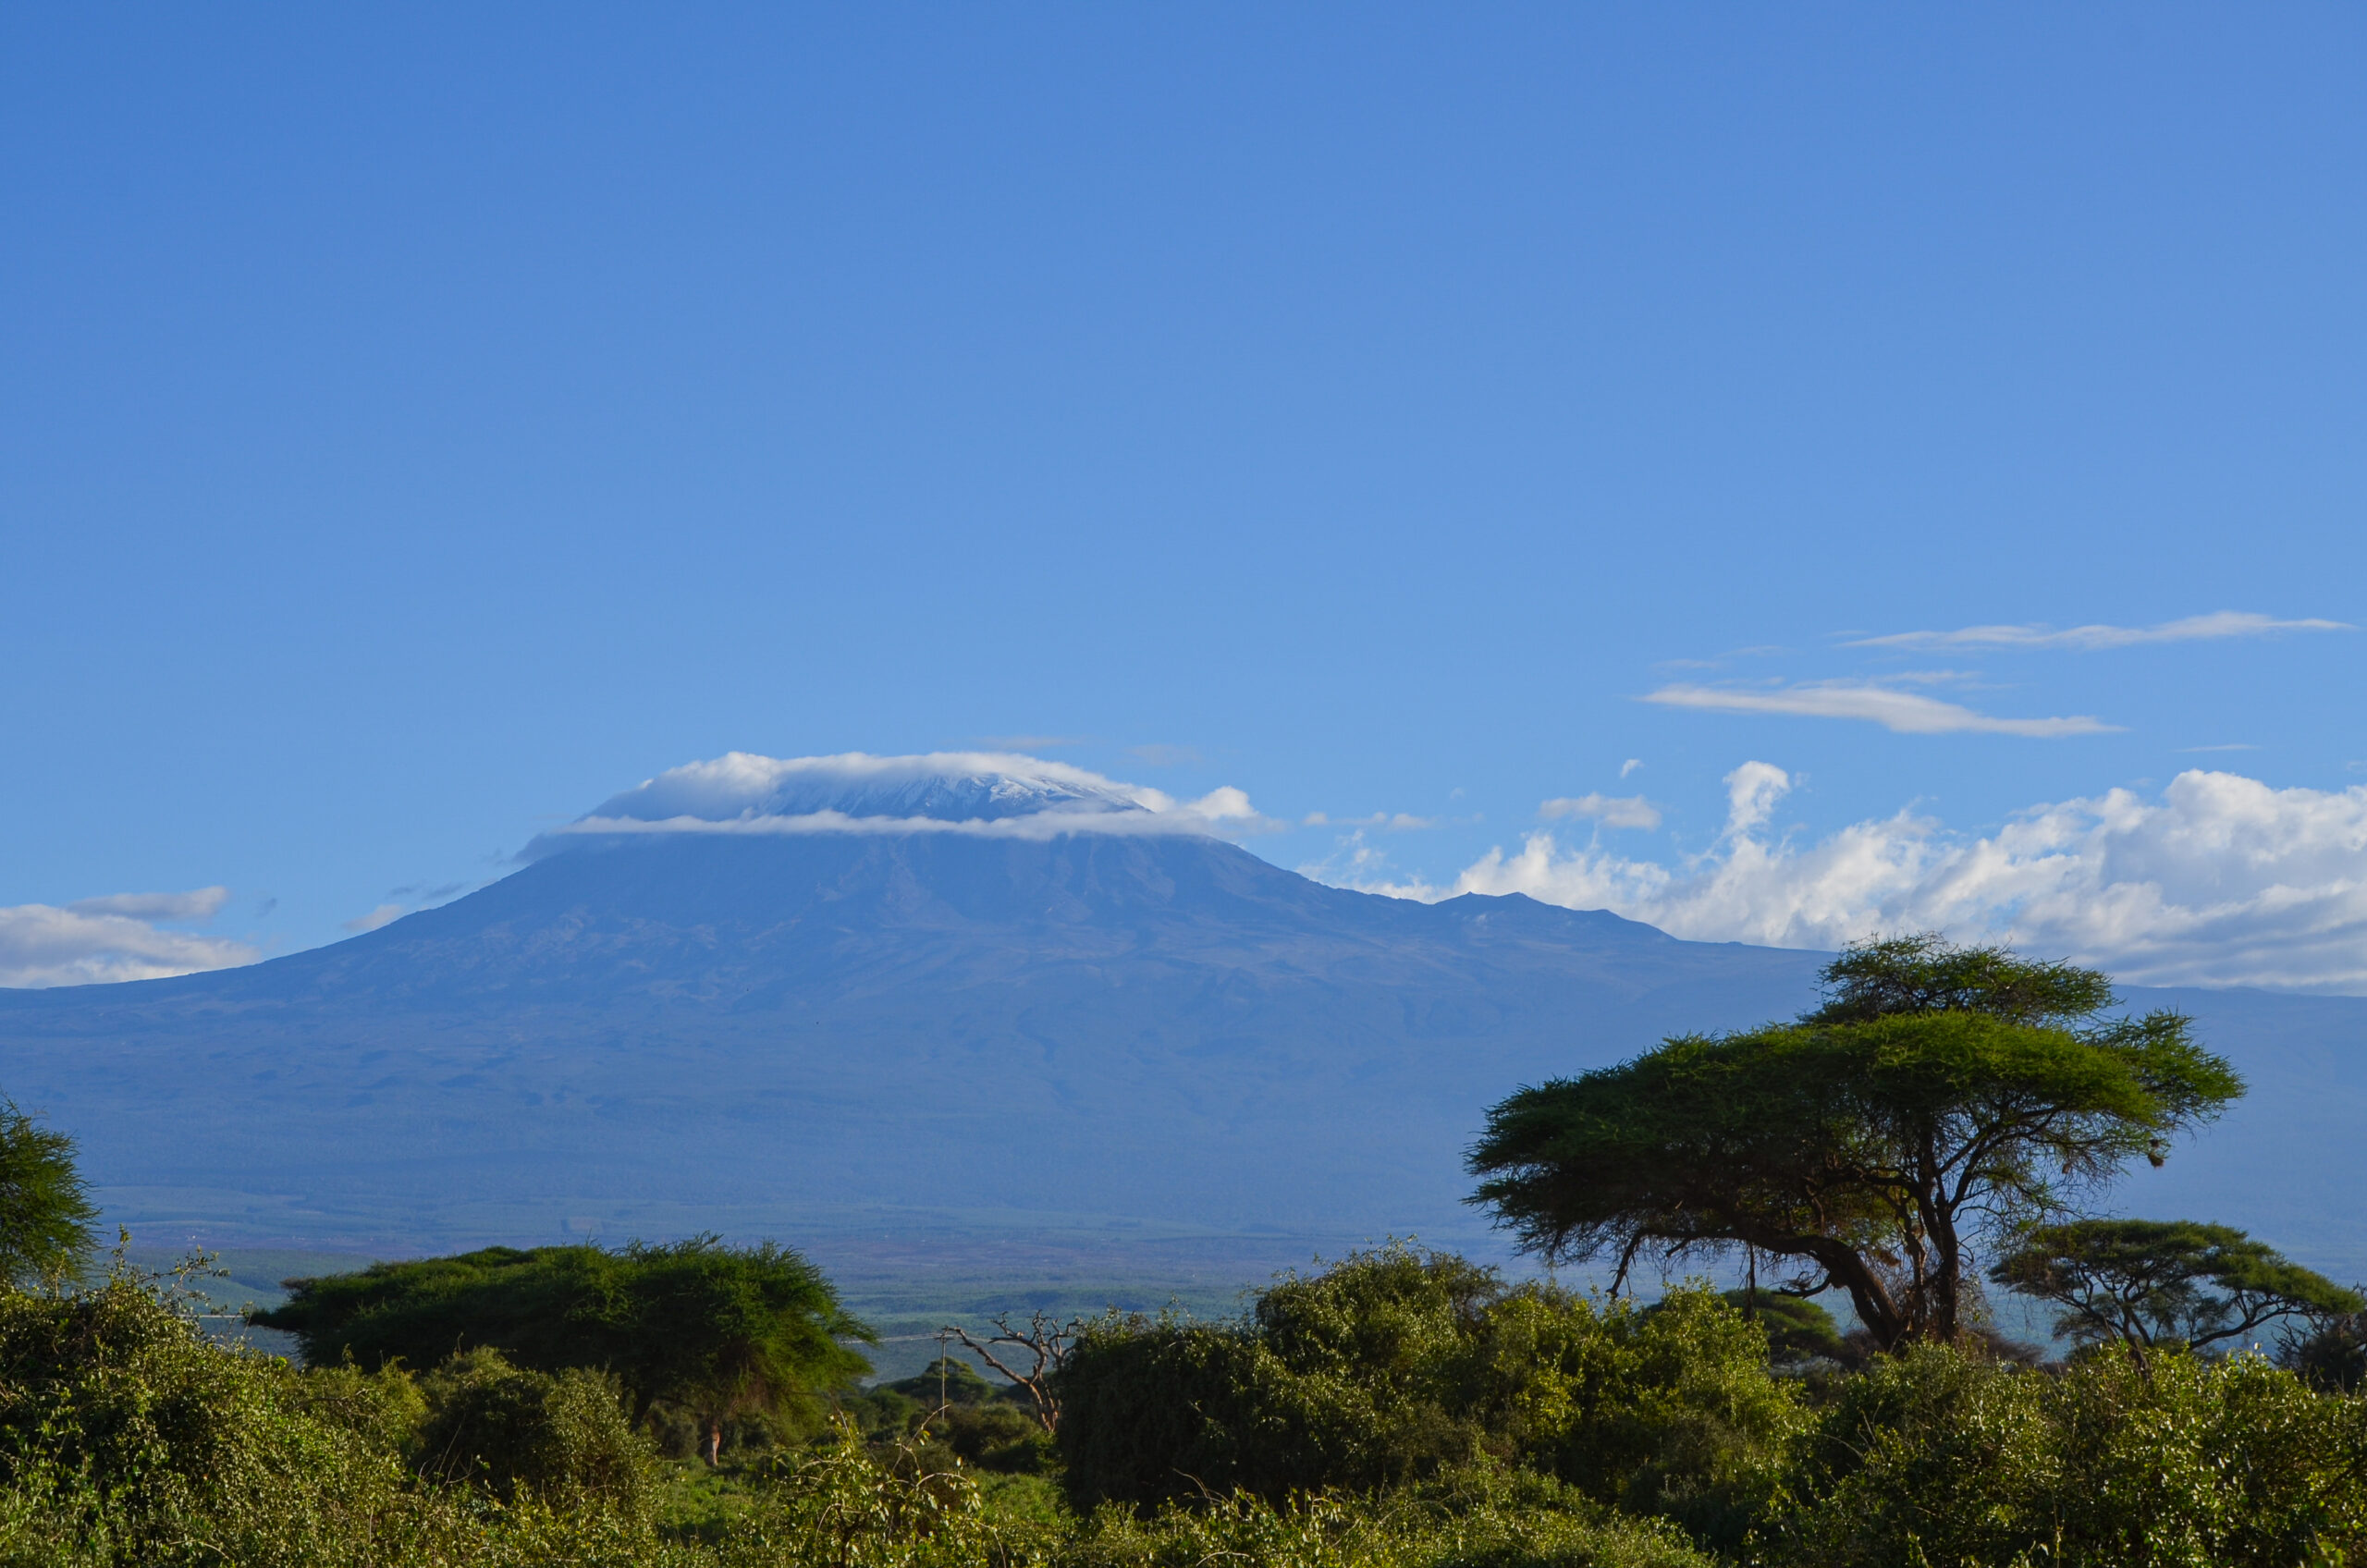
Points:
x=1905 y=713
x=1352 y=862
x=2194 y=628
x=2219 y=880
x=987 y=794
x=96 y=940
x=1611 y=811
x=1630 y=765
x=1223 y=803
x=385 y=915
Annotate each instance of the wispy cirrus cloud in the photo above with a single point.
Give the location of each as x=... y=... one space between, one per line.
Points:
x=1902 y=712
x=91 y=941
x=203 y=903
x=1391 y=821
x=1611 y=811
x=2087 y=638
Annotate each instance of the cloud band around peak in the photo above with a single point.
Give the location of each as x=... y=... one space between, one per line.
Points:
x=983 y=794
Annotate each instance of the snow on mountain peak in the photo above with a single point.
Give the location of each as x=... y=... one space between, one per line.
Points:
x=996 y=793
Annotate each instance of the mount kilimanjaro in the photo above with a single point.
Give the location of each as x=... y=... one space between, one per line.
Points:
x=970 y=997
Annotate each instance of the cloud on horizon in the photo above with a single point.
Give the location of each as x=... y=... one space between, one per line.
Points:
x=2087 y=639
x=98 y=941
x=2220 y=880
x=1903 y=713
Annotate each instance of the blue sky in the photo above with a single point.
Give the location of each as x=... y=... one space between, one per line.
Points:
x=418 y=425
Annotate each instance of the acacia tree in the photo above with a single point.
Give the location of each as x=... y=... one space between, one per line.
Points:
x=711 y=1330
x=2155 y=1281
x=720 y=1331
x=46 y=1210
x=1939 y=1095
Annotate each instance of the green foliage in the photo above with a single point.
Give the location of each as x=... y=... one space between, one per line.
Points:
x=1798 y=1331
x=46 y=1210
x=1468 y=1519
x=998 y=1437
x=1939 y=1091
x=1512 y=1427
x=1934 y=1457
x=559 y=1436
x=1921 y=973
x=549 y=1308
x=720 y=1331
x=1395 y=1366
x=2333 y=1356
x=125 y=1436
x=714 y=1330
x=2154 y=1281
x=981 y=1424
x=951 y=1380
x=851 y=1504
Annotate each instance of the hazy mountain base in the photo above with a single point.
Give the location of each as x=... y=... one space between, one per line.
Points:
x=1155 y=1067
x=836 y=1037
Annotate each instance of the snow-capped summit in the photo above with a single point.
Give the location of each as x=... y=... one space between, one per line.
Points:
x=994 y=793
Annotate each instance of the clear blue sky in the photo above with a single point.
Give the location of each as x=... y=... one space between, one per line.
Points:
x=418 y=424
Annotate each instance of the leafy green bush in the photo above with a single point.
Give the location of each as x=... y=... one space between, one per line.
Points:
x=46 y=1210
x=851 y=1504
x=1479 y=1518
x=1937 y=1457
x=2332 y=1356
x=126 y=1435
x=1668 y=1411
x=1446 y=1420
x=508 y=1430
x=718 y=1333
x=1800 y=1332
x=1395 y=1366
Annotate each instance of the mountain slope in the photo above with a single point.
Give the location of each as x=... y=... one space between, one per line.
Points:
x=853 y=1033
x=1163 y=1027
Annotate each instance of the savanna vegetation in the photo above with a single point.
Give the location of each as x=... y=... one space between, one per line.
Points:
x=1941 y=1128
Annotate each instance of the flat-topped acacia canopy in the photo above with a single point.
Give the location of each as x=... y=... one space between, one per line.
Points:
x=1939 y=1093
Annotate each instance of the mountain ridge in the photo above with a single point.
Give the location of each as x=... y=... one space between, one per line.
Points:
x=863 y=1033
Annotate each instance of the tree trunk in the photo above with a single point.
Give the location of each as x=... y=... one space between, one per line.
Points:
x=1881 y=1315
x=713 y=1442
x=1947 y=1286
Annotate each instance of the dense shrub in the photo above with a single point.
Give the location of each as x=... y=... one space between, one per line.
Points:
x=125 y=1435
x=1429 y=1416
x=1468 y=1519
x=509 y=1429
x=1670 y=1412
x=1938 y=1457
x=1395 y=1366
x=1800 y=1334
x=2332 y=1354
x=718 y=1333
